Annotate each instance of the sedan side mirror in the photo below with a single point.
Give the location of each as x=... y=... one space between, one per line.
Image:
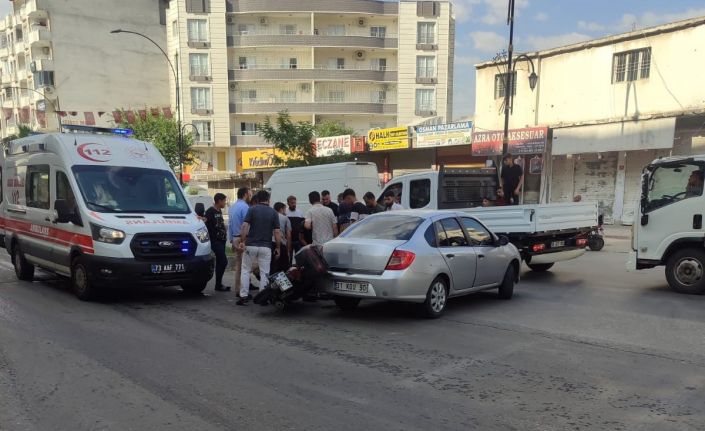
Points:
x=63 y=211
x=503 y=240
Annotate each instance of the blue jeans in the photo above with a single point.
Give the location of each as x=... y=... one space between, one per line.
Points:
x=221 y=261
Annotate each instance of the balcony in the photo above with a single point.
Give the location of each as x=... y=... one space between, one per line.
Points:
x=339 y=6
x=31 y=12
x=275 y=72
x=355 y=40
x=327 y=107
x=253 y=141
x=39 y=37
x=43 y=65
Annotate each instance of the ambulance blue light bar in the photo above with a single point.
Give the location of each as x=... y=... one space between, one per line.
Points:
x=92 y=129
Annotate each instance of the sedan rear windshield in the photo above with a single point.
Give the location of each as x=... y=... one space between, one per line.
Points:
x=391 y=227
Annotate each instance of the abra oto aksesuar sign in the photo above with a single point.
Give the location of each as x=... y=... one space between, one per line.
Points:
x=531 y=140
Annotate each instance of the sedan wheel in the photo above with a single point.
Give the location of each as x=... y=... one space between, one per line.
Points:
x=436 y=299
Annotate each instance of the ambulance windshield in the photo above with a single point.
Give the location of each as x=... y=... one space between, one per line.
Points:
x=116 y=189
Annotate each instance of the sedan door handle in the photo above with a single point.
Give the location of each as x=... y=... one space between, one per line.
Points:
x=450 y=256
x=480 y=256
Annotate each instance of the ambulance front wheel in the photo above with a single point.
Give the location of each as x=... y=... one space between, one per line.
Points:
x=23 y=269
x=81 y=284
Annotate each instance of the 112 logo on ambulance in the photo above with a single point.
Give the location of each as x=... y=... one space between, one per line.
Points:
x=94 y=152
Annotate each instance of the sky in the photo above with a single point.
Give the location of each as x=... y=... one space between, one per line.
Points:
x=482 y=29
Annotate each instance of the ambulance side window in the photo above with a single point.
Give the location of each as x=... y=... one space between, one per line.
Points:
x=37 y=188
x=64 y=192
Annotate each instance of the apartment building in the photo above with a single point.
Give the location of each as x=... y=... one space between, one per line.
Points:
x=611 y=106
x=363 y=63
x=59 y=60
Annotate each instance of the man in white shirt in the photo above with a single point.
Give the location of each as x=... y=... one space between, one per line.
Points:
x=320 y=220
x=390 y=202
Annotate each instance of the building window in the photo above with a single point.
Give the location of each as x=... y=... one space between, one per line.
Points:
x=248 y=95
x=198 y=6
x=287 y=29
x=37 y=188
x=336 y=96
x=336 y=30
x=425 y=99
x=198 y=64
x=631 y=65
x=247 y=63
x=426 y=33
x=425 y=67
x=248 y=129
x=500 y=84
x=43 y=79
x=287 y=96
x=174 y=28
x=245 y=29
x=197 y=30
x=336 y=63
x=293 y=63
x=378 y=125
x=204 y=131
x=379 y=64
x=200 y=98
x=379 y=96
x=379 y=31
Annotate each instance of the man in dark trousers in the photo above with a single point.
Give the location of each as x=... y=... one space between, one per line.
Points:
x=512 y=180
x=219 y=236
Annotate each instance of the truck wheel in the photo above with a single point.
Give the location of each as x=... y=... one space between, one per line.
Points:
x=23 y=269
x=436 y=299
x=194 y=288
x=506 y=289
x=346 y=304
x=540 y=267
x=596 y=243
x=81 y=284
x=685 y=271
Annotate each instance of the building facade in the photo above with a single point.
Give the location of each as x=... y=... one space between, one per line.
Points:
x=612 y=105
x=59 y=60
x=364 y=63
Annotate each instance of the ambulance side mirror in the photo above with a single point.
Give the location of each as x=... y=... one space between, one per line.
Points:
x=63 y=211
x=200 y=209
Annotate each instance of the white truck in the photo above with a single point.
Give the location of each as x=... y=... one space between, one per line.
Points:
x=668 y=225
x=335 y=177
x=544 y=234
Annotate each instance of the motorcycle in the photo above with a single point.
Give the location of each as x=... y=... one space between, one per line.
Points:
x=298 y=282
x=596 y=240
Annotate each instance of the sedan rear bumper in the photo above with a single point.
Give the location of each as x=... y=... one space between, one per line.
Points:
x=405 y=285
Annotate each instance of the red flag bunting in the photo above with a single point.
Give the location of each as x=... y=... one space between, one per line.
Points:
x=42 y=118
x=8 y=113
x=61 y=113
x=24 y=115
x=143 y=114
x=90 y=118
x=73 y=113
x=155 y=112
x=117 y=116
x=130 y=117
x=167 y=113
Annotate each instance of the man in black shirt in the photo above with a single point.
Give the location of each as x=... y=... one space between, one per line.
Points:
x=371 y=202
x=325 y=200
x=358 y=210
x=512 y=180
x=219 y=236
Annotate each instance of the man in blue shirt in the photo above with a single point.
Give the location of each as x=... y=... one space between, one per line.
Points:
x=236 y=214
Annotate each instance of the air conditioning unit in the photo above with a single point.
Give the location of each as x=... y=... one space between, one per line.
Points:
x=359 y=55
x=361 y=22
x=233 y=86
x=306 y=88
x=46 y=50
x=230 y=20
x=263 y=20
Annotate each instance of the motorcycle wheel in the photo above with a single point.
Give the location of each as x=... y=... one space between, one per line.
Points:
x=596 y=243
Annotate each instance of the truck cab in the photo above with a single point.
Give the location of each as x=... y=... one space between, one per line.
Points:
x=668 y=226
x=101 y=209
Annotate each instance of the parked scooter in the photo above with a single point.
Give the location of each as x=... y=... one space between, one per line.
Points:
x=297 y=282
x=596 y=240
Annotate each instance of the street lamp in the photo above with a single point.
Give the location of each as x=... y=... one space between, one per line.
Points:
x=44 y=97
x=175 y=72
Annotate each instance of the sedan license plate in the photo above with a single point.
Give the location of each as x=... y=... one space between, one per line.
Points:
x=346 y=286
x=283 y=281
x=556 y=244
x=171 y=268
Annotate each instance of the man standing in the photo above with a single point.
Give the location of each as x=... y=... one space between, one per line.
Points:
x=291 y=211
x=390 y=201
x=218 y=235
x=261 y=223
x=512 y=179
x=326 y=201
x=358 y=210
x=237 y=213
x=320 y=220
x=284 y=260
x=371 y=203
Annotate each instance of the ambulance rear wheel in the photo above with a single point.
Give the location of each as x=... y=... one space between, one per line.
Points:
x=80 y=281
x=23 y=269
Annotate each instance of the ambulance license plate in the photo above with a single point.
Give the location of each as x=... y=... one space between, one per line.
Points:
x=171 y=268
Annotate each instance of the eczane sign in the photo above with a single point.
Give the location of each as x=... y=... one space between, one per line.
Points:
x=333 y=145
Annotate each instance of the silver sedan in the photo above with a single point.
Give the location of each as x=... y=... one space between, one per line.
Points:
x=419 y=256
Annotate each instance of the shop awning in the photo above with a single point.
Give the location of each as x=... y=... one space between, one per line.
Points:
x=625 y=136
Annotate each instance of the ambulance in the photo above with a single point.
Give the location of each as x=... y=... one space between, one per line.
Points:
x=100 y=208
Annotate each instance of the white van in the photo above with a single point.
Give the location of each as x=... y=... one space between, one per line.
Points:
x=102 y=209
x=335 y=177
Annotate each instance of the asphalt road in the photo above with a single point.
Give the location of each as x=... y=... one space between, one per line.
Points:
x=588 y=346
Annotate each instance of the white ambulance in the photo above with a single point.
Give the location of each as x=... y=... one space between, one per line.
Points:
x=102 y=209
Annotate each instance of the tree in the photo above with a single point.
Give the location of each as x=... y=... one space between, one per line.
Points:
x=163 y=132
x=23 y=132
x=293 y=141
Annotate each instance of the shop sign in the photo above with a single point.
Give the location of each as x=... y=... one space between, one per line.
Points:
x=358 y=144
x=521 y=141
x=395 y=138
x=443 y=135
x=259 y=159
x=333 y=145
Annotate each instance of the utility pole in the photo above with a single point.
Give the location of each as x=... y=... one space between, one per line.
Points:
x=508 y=83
